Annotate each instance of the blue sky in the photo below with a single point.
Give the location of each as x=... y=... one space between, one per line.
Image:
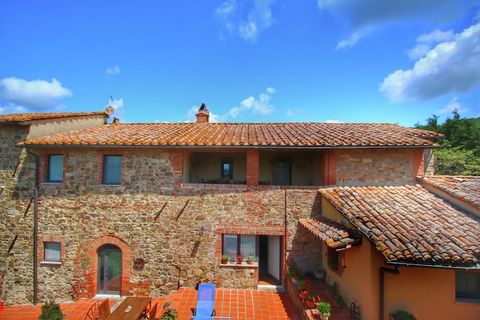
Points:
x=248 y=60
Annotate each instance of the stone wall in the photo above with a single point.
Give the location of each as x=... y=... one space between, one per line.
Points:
x=82 y=213
x=17 y=176
x=376 y=167
x=153 y=216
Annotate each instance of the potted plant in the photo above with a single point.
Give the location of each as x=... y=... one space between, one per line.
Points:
x=251 y=259
x=168 y=312
x=239 y=259
x=324 y=309
x=224 y=259
x=319 y=272
x=51 y=311
x=311 y=300
x=232 y=259
x=401 y=315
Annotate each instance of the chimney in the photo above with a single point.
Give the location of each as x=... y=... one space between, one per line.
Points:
x=203 y=114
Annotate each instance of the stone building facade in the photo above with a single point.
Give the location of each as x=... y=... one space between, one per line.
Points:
x=173 y=228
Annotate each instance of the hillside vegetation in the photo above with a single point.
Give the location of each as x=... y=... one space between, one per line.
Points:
x=460 y=154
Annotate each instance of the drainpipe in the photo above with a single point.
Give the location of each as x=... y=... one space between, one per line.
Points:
x=381 y=272
x=35 y=229
x=284 y=276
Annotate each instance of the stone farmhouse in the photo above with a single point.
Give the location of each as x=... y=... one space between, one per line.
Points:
x=93 y=207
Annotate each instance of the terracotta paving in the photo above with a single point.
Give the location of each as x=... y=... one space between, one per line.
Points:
x=234 y=303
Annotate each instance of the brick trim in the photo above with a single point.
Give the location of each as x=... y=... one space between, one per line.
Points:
x=44 y=163
x=88 y=288
x=418 y=162
x=42 y=238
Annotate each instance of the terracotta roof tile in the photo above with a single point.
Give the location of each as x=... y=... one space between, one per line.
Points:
x=25 y=117
x=410 y=224
x=244 y=134
x=334 y=234
x=465 y=188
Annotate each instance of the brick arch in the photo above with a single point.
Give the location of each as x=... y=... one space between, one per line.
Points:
x=88 y=288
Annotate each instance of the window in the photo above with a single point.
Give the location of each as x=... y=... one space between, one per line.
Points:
x=239 y=245
x=333 y=260
x=282 y=172
x=55 y=168
x=227 y=169
x=467 y=285
x=112 y=169
x=248 y=245
x=52 y=251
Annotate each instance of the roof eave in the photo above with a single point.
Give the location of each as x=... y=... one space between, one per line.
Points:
x=263 y=147
x=434 y=265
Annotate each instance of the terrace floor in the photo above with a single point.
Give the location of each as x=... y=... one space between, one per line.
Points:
x=235 y=303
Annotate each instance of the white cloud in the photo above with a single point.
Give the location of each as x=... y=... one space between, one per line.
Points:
x=333 y=121
x=247 y=19
x=427 y=40
x=113 y=70
x=453 y=105
x=38 y=94
x=353 y=39
x=260 y=105
x=290 y=112
x=12 y=108
x=362 y=17
x=450 y=67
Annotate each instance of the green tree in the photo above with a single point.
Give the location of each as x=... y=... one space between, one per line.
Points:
x=460 y=154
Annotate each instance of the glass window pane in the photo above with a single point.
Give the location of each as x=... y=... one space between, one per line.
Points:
x=230 y=245
x=467 y=285
x=52 y=251
x=247 y=246
x=112 y=172
x=55 y=168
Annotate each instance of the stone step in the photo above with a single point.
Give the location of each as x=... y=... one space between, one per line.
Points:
x=270 y=288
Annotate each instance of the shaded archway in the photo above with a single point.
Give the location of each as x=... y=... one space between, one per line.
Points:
x=109 y=274
x=87 y=261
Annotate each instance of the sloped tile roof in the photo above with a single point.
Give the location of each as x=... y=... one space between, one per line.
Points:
x=465 y=188
x=334 y=234
x=25 y=117
x=410 y=224
x=245 y=134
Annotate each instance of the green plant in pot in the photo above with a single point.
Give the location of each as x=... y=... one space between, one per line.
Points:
x=402 y=315
x=51 y=311
x=168 y=312
x=224 y=259
x=251 y=259
x=324 y=309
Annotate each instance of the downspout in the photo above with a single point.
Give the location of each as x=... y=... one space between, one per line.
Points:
x=284 y=276
x=381 y=272
x=35 y=229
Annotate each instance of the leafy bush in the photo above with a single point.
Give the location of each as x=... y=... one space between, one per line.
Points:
x=456 y=161
x=51 y=311
x=324 y=308
x=461 y=144
x=170 y=315
x=402 y=315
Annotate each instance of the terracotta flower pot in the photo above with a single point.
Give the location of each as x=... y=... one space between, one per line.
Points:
x=224 y=261
x=239 y=259
x=250 y=261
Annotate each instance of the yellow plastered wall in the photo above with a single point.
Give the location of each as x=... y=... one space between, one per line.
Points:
x=427 y=293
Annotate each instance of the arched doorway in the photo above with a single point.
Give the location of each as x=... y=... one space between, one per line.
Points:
x=109 y=269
